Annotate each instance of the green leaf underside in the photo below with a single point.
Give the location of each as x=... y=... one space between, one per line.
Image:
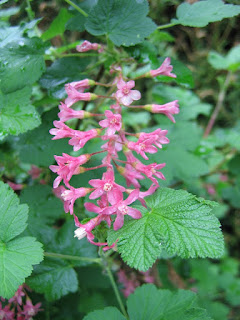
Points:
x=16 y=255
x=201 y=13
x=123 y=21
x=149 y=303
x=57 y=27
x=17 y=115
x=178 y=220
x=13 y=216
x=54 y=278
x=22 y=63
x=16 y=260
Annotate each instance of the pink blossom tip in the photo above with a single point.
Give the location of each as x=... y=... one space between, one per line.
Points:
x=164 y=70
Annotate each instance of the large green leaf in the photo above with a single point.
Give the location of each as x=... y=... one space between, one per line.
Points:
x=17 y=115
x=22 y=63
x=200 y=13
x=123 y=21
x=150 y=303
x=179 y=221
x=16 y=255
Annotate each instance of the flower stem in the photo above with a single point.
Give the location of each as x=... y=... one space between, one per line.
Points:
x=84 y=13
x=219 y=104
x=68 y=257
x=114 y=286
x=168 y=25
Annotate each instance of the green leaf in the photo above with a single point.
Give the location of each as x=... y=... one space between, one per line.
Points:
x=178 y=220
x=200 y=13
x=5 y=13
x=13 y=216
x=16 y=260
x=16 y=255
x=22 y=63
x=150 y=303
x=108 y=313
x=61 y=72
x=43 y=204
x=17 y=115
x=54 y=278
x=38 y=148
x=57 y=27
x=230 y=62
x=76 y=23
x=123 y=21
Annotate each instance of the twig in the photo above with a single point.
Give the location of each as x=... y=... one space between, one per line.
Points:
x=219 y=104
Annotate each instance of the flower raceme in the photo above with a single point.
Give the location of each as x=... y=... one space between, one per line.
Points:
x=113 y=200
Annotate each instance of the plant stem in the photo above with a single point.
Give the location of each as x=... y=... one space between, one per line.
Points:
x=219 y=104
x=168 y=25
x=115 y=289
x=30 y=13
x=84 y=13
x=68 y=257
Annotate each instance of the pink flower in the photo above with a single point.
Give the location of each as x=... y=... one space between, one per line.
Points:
x=66 y=113
x=168 y=109
x=17 y=298
x=70 y=196
x=82 y=84
x=61 y=131
x=29 y=310
x=123 y=209
x=124 y=94
x=80 y=138
x=6 y=313
x=165 y=69
x=85 y=230
x=113 y=122
x=150 y=170
x=131 y=175
x=108 y=186
x=129 y=282
x=158 y=135
x=15 y=186
x=35 y=172
x=86 y=46
x=142 y=146
x=75 y=96
x=144 y=194
x=67 y=167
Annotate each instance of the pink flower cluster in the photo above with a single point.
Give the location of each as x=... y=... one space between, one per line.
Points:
x=132 y=280
x=113 y=201
x=19 y=307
